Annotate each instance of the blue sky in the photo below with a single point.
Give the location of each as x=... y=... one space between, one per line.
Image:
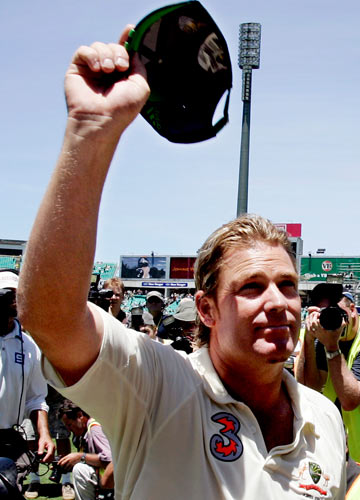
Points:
x=167 y=198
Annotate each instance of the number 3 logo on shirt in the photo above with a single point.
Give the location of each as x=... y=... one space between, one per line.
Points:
x=230 y=448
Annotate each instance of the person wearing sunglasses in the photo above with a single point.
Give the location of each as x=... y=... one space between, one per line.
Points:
x=228 y=418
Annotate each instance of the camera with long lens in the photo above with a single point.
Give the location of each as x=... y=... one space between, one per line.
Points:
x=331 y=317
x=57 y=471
x=171 y=329
x=101 y=298
x=329 y=295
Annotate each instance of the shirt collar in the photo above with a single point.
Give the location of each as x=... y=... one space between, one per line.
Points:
x=15 y=332
x=214 y=388
x=303 y=411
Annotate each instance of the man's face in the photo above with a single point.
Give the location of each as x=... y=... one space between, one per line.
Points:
x=155 y=305
x=75 y=425
x=256 y=316
x=8 y=302
x=117 y=296
x=188 y=327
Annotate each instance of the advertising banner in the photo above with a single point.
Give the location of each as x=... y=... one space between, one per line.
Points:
x=318 y=268
x=293 y=230
x=182 y=268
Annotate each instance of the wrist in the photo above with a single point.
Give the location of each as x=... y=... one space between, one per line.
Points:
x=331 y=347
x=332 y=354
x=97 y=135
x=83 y=458
x=309 y=338
x=99 y=127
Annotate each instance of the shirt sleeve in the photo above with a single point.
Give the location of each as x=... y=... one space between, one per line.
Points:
x=99 y=443
x=36 y=387
x=131 y=388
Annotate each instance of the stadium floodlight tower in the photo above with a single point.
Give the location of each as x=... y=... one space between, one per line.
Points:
x=249 y=59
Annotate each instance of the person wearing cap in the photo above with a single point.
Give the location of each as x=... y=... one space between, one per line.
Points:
x=329 y=361
x=23 y=388
x=185 y=325
x=155 y=304
x=228 y=418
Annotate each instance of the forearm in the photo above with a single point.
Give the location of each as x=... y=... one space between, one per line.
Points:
x=64 y=233
x=299 y=367
x=55 y=278
x=346 y=386
x=307 y=371
x=52 y=296
x=94 y=460
x=39 y=420
x=107 y=479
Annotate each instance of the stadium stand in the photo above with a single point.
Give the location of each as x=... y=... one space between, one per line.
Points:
x=10 y=262
x=133 y=301
x=105 y=269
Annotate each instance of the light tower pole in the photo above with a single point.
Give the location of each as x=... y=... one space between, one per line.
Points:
x=249 y=59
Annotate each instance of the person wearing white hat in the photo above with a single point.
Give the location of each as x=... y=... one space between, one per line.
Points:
x=23 y=388
x=184 y=325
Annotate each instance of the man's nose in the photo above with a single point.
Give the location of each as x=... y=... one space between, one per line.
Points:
x=275 y=299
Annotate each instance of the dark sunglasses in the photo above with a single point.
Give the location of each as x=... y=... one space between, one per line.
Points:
x=188 y=68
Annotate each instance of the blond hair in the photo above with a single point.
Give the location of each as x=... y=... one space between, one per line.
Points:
x=244 y=232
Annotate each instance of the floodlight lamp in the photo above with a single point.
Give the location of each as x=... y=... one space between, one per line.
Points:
x=249 y=45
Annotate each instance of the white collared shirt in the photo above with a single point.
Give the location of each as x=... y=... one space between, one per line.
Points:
x=18 y=352
x=177 y=434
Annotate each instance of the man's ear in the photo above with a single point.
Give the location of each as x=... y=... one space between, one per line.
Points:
x=353 y=311
x=205 y=308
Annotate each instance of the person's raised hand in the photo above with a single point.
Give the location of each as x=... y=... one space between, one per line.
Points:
x=102 y=83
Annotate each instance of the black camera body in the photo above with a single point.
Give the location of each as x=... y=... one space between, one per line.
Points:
x=331 y=317
x=57 y=471
x=100 y=297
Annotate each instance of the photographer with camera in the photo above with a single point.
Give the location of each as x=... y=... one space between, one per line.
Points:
x=181 y=326
x=117 y=286
x=93 y=457
x=22 y=387
x=329 y=361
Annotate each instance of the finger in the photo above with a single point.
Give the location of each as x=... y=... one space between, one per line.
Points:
x=313 y=309
x=47 y=456
x=87 y=56
x=308 y=323
x=125 y=34
x=120 y=56
x=105 y=56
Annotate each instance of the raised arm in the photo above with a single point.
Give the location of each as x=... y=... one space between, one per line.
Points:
x=306 y=370
x=104 y=93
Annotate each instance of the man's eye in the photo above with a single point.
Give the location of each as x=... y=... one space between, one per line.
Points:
x=287 y=284
x=250 y=287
